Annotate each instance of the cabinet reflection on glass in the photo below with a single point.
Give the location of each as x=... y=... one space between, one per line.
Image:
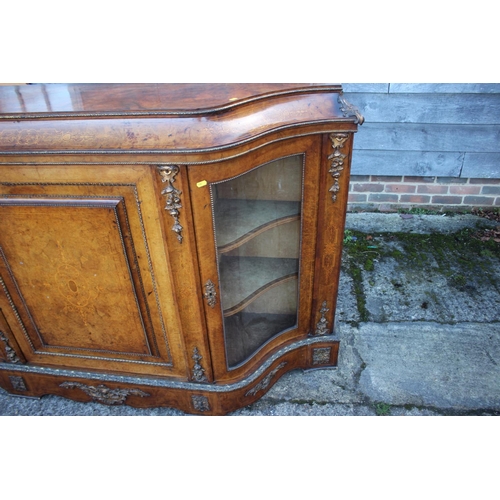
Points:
x=257 y=220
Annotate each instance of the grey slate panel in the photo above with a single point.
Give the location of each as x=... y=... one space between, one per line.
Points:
x=442 y=88
x=420 y=163
x=427 y=129
x=428 y=108
x=366 y=87
x=482 y=165
x=428 y=137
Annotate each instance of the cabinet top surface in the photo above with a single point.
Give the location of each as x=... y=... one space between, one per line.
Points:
x=135 y=98
x=174 y=119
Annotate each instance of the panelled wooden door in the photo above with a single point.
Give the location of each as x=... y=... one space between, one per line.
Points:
x=85 y=276
x=255 y=220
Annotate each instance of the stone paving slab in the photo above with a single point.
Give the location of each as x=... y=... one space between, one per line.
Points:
x=431 y=365
x=368 y=222
x=428 y=272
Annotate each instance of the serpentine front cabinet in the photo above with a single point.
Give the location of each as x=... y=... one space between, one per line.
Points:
x=169 y=245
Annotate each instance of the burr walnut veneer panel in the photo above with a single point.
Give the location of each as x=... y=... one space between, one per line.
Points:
x=85 y=268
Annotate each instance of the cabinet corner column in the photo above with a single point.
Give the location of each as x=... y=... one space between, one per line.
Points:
x=177 y=223
x=334 y=182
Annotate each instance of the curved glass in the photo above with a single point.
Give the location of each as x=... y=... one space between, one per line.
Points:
x=257 y=220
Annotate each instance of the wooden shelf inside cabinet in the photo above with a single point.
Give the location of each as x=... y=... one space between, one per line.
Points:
x=169 y=244
x=254 y=218
x=248 y=278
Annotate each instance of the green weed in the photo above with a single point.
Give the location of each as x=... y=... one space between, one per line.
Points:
x=382 y=409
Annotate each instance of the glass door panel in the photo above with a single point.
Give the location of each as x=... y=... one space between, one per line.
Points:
x=257 y=220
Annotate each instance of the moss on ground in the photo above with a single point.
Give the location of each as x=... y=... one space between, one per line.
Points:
x=461 y=257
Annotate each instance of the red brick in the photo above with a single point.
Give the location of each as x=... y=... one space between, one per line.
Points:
x=478 y=200
x=368 y=188
x=357 y=198
x=399 y=188
x=465 y=189
x=386 y=178
x=446 y=200
x=384 y=197
x=484 y=181
x=414 y=198
x=491 y=190
x=451 y=180
x=412 y=178
x=432 y=189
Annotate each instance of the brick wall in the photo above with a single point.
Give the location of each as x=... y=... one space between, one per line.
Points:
x=440 y=193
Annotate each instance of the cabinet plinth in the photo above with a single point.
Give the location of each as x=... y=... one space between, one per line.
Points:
x=170 y=245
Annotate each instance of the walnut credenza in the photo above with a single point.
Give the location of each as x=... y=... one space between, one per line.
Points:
x=169 y=245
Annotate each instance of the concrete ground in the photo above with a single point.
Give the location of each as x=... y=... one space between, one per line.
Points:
x=418 y=318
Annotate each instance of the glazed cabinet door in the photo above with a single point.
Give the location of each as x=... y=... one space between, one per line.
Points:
x=85 y=280
x=255 y=222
